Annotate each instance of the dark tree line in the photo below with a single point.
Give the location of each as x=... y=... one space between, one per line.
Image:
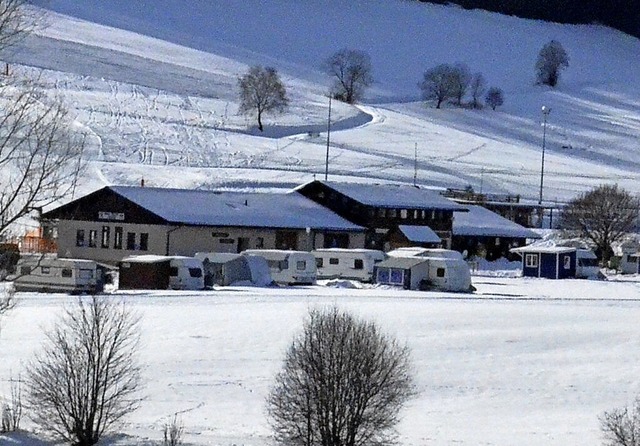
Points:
x=620 y=14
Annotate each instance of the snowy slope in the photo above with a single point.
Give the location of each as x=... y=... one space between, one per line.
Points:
x=163 y=94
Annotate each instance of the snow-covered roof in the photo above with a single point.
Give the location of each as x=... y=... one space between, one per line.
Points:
x=402 y=262
x=543 y=249
x=419 y=234
x=394 y=196
x=480 y=221
x=211 y=208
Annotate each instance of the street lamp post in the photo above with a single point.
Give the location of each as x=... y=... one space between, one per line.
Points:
x=326 y=163
x=545 y=113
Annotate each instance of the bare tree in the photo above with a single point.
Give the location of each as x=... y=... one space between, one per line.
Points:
x=621 y=427
x=494 y=98
x=262 y=91
x=352 y=70
x=40 y=152
x=86 y=378
x=604 y=215
x=460 y=80
x=439 y=84
x=17 y=21
x=477 y=86
x=552 y=59
x=343 y=383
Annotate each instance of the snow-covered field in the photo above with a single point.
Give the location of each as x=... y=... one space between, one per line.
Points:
x=520 y=362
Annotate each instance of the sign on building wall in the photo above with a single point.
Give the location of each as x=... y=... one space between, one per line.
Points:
x=118 y=216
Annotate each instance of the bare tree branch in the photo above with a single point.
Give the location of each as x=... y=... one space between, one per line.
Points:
x=87 y=377
x=343 y=384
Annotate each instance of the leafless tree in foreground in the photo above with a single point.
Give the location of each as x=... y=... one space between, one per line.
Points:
x=262 y=91
x=40 y=151
x=621 y=427
x=604 y=214
x=86 y=378
x=352 y=72
x=343 y=383
x=17 y=21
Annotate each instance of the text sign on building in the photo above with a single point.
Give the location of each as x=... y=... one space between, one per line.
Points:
x=119 y=216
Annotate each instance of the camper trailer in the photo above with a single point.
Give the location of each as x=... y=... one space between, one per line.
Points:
x=288 y=267
x=339 y=263
x=587 y=264
x=224 y=269
x=58 y=275
x=151 y=272
x=441 y=269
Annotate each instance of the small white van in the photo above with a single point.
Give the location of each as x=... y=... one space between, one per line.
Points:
x=288 y=267
x=340 y=263
x=45 y=273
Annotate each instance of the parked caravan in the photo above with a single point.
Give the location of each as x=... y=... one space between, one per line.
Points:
x=58 y=275
x=226 y=268
x=445 y=269
x=288 y=267
x=339 y=263
x=151 y=272
x=587 y=266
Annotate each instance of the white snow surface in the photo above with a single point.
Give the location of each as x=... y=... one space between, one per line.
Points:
x=520 y=362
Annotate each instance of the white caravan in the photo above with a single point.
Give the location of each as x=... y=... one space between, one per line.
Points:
x=587 y=264
x=340 y=263
x=161 y=272
x=288 y=267
x=447 y=269
x=55 y=275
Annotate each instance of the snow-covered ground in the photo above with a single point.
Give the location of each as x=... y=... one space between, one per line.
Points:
x=520 y=362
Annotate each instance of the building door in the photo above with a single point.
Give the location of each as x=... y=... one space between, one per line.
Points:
x=286 y=240
x=243 y=243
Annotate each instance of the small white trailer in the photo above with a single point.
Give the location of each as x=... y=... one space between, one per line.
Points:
x=288 y=267
x=442 y=269
x=160 y=273
x=340 y=263
x=45 y=273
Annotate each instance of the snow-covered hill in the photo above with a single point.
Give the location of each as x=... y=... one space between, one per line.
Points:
x=155 y=82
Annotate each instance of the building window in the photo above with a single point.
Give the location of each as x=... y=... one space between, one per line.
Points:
x=286 y=240
x=396 y=276
x=319 y=262
x=416 y=214
x=381 y=213
x=80 y=237
x=93 y=238
x=106 y=232
x=567 y=262
x=358 y=264
x=67 y=272
x=440 y=272
x=531 y=260
x=131 y=241
x=334 y=261
x=117 y=238
x=144 y=241
x=403 y=214
x=260 y=242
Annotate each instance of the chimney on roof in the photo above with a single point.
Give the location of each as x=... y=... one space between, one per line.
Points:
x=246 y=202
x=142 y=182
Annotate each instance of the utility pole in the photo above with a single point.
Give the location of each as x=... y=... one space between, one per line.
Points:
x=415 y=164
x=545 y=113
